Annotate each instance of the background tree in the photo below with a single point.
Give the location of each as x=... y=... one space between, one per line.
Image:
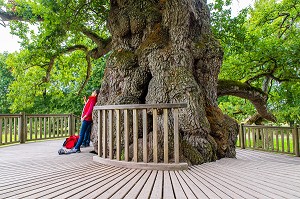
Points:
x=6 y=79
x=261 y=49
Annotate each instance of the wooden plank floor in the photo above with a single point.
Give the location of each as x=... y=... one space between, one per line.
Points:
x=35 y=170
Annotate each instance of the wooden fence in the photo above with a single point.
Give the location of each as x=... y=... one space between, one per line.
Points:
x=20 y=128
x=270 y=138
x=113 y=143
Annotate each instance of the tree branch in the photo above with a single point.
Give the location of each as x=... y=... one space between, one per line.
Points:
x=11 y=16
x=88 y=73
x=101 y=43
x=52 y=60
x=256 y=96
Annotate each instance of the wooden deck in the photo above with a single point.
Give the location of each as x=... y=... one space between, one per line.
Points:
x=35 y=170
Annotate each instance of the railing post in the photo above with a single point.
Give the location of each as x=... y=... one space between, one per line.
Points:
x=22 y=129
x=296 y=144
x=70 y=124
x=176 y=136
x=242 y=136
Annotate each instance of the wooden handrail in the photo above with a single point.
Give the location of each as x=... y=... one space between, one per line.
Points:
x=140 y=106
x=110 y=136
x=19 y=128
x=280 y=139
x=267 y=127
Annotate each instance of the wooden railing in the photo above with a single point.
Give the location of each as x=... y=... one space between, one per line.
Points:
x=270 y=138
x=114 y=139
x=19 y=128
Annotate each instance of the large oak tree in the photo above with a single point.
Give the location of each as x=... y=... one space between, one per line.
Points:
x=160 y=51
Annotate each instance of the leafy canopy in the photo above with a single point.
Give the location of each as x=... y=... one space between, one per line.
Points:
x=262 y=44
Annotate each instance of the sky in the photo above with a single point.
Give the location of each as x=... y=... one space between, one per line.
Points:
x=10 y=43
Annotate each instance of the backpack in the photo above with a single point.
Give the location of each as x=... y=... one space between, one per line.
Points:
x=71 y=141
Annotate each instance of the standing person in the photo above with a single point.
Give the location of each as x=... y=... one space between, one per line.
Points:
x=86 y=139
x=87 y=121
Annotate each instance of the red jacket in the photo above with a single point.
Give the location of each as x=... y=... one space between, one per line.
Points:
x=88 y=108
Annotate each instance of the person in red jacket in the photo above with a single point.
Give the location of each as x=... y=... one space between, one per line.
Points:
x=87 y=120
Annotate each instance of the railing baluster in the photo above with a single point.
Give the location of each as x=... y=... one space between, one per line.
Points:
x=126 y=129
x=166 y=137
x=61 y=126
x=104 y=152
x=56 y=122
x=249 y=139
x=49 y=127
x=176 y=137
x=55 y=125
x=110 y=115
x=253 y=137
x=5 y=130
x=293 y=141
x=65 y=127
x=30 y=127
x=282 y=141
x=15 y=129
x=45 y=127
x=267 y=139
x=243 y=144
x=118 y=133
x=35 y=128
x=296 y=142
x=99 y=133
x=288 y=141
x=272 y=139
x=155 y=156
x=277 y=140
x=145 y=133
x=1 y=131
x=21 y=127
x=10 y=129
x=257 y=137
x=263 y=138
x=135 y=135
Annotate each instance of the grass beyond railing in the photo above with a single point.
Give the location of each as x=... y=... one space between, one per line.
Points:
x=124 y=140
x=19 y=128
x=270 y=138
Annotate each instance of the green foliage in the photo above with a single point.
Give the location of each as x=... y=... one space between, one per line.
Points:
x=30 y=94
x=6 y=79
x=285 y=102
x=47 y=31
x=235 y=107
x=260 y=43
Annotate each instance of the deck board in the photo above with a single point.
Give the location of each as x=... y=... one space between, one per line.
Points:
x=188 y=192
x=125 y=189
x=177 y=188
x=168 y=191
x=157 y=190
x=147 y=189
x=134 y=192
x=35 y=170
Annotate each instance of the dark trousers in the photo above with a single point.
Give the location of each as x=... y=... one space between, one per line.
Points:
x=85 y=132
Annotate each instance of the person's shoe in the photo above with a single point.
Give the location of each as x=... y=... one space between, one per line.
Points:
x=83 y=146
x=73 y=150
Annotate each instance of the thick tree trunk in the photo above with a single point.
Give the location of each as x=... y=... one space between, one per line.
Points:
x=164 y=52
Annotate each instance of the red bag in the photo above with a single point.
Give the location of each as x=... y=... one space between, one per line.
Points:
x=71 y=141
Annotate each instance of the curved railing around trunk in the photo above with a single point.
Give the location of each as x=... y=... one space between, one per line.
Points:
x=114 y=140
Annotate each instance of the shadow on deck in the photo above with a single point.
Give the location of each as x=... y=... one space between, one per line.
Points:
x=35 y=170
